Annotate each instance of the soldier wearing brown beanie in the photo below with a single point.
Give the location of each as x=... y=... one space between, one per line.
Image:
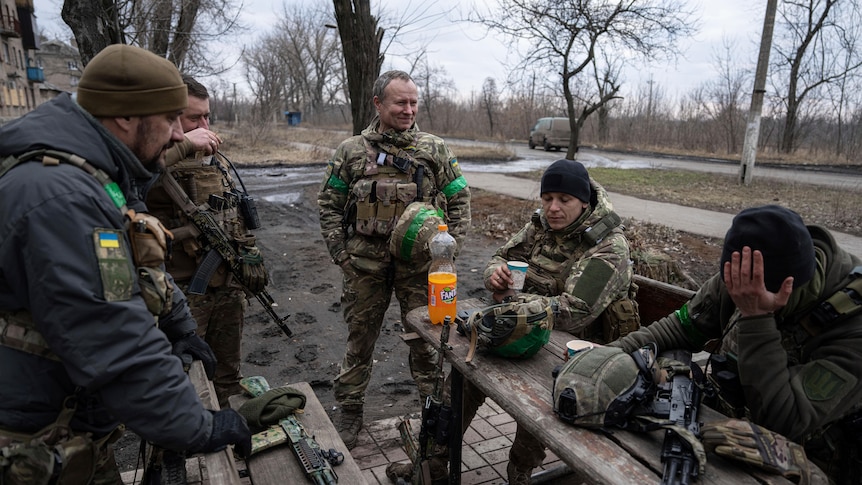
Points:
x=81 y=278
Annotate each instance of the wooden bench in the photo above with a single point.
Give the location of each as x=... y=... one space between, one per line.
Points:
x=279 y=466
x=522 y=388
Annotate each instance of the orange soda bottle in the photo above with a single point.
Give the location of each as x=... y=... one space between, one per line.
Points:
x=442 y=279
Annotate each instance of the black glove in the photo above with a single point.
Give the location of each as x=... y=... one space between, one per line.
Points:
x=196 y=347
x=229 y=428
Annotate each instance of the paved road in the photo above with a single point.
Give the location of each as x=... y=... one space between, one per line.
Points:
x=696 y=221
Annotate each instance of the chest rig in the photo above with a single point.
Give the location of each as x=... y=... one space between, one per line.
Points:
x=391 y=180
x=150 y=246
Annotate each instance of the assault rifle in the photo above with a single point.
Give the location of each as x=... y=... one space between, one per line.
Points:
x=220 y=249
x=678 y=401
x=437 y=421
x=317 y=462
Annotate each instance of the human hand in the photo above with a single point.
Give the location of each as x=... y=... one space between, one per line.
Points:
x=195 y=346
x=204 y=140
x=228 y=428
x=743 y=276
x=755 y=445
x=500 y=279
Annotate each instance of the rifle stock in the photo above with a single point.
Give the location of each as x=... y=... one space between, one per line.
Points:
x=683 y=396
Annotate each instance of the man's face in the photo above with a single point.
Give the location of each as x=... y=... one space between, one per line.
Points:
x=398 y=107
x=153 y=136
x=561 y=209
x=197 y=115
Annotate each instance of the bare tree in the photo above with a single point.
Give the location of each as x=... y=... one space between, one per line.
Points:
x=178 y=30
x=563 y=37
x=267 y=76
x=809 y=56
x=725 y=95
x=490 y=101
x=435 y=86
x=360 y=44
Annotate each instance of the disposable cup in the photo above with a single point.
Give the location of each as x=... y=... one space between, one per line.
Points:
x=519 y=274
x=575 y=346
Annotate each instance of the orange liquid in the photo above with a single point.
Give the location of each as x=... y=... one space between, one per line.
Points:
x=442 y=296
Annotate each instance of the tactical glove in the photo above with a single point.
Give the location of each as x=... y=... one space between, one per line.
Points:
x=254 y=273
x=229 y=428
x=755 y=445
x=195 y=346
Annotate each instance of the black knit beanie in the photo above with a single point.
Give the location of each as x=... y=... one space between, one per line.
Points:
x=781 y=236
x=568 y=177
x=124 y=80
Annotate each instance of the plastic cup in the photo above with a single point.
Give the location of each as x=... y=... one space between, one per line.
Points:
x=575 y=346
x=519 y=274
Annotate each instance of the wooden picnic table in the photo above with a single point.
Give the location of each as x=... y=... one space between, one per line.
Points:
x=522 y=388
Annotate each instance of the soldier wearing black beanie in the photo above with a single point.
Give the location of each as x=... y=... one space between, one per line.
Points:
x=567 y=177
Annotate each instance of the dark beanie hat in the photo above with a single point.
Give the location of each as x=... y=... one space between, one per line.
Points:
x=781 y=236
x=124 y=80
x=568 y=177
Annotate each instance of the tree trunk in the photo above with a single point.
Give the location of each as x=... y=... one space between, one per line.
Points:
x=360 y=43
x=94 y=24
x=182 y=39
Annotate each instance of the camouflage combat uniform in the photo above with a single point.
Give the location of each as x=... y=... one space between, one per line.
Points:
x=219 y=312
x=586 y=267
x=354 y=175
x=798 y=378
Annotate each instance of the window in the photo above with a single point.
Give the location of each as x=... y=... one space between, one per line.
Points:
x=72 y=65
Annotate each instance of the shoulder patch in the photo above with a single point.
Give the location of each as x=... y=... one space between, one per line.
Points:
x=823 y=381
x=115 y=265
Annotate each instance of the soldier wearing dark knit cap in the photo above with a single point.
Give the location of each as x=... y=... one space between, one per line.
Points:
x=783 y=316
x=101 y=326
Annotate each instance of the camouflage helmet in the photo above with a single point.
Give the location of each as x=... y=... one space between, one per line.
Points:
x=513 y=329
x=601 y=386
x=416 y=226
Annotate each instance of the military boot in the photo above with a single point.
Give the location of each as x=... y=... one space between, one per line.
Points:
x=350 y=424
x=518 y=476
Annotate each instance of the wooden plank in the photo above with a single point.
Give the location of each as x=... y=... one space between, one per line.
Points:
x=220 y=466
x=278 y=465
x=657 y=299
x=523 y=389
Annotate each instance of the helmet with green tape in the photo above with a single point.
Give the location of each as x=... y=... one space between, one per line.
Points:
x=416 y=226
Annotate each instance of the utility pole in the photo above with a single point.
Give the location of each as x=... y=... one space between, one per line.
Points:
x=752 y=130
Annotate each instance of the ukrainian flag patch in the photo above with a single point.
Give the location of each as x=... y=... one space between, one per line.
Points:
x=108 y=239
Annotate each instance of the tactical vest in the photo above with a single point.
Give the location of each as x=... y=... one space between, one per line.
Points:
x=204 y=183
x=392 y=179
x=551 y=264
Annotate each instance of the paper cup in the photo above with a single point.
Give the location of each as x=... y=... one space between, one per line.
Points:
x=575 y=346
x=519 y=274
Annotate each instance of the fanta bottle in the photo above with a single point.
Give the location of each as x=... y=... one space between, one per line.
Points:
x=442 y=280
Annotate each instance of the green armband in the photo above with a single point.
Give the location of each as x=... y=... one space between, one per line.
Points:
x=693 y=333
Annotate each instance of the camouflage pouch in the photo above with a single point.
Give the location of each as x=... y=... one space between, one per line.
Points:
x=619 y=319
x=156 y=290
x=151 y=241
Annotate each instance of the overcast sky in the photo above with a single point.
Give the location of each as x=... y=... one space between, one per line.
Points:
x=469 y=55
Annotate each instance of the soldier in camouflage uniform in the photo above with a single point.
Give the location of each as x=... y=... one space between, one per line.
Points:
x=783 y=319
x=200 y=172
x=369 y=182
x=91 y=327
x=578 y=256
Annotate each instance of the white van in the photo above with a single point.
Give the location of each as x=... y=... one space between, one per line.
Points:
x=550 y=133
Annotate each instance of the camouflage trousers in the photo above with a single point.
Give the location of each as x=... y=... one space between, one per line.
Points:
x=365 y=298
x=219 y=314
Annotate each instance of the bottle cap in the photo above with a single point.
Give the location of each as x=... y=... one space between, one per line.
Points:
x=442 y=227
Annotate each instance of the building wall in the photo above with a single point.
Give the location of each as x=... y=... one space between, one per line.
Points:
x=21 y=89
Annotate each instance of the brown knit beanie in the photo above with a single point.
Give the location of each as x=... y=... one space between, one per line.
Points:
x=124 y=80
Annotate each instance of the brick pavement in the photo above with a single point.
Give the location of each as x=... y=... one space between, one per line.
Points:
x=485 y=452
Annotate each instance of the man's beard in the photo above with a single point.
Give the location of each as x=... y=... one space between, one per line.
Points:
x=154 y=162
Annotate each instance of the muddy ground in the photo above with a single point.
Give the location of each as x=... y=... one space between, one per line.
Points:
x=307 y=286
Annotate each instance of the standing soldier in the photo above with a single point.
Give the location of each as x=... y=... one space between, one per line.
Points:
x=91 y=326
x=374 y=186
x=204 y=177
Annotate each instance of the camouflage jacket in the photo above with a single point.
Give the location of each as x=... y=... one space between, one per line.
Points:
x=442 y=184
x=793 y=384
x=586 y=275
